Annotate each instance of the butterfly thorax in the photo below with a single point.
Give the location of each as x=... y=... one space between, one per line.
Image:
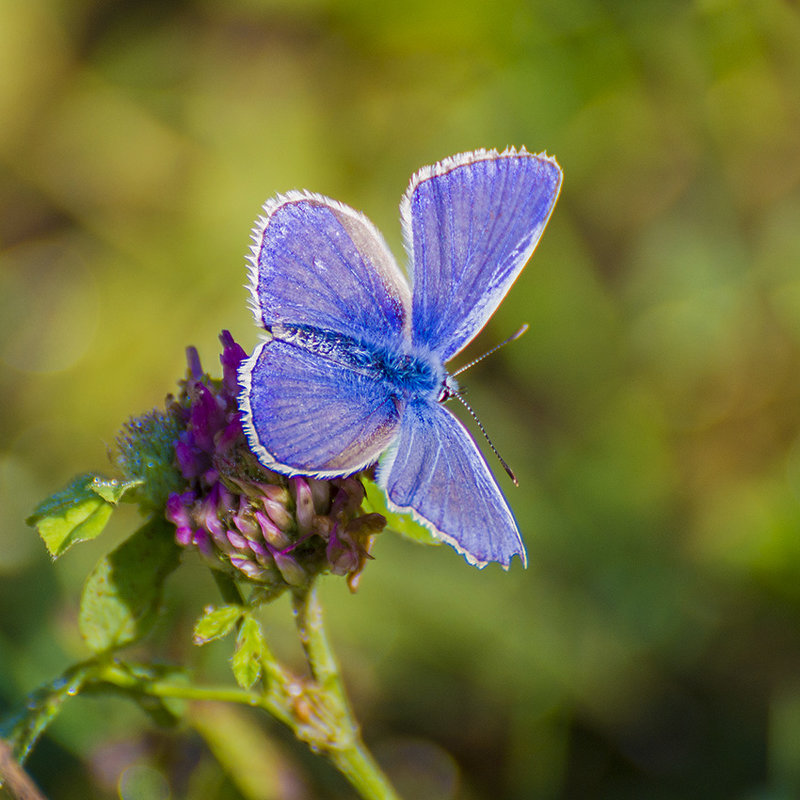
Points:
x=414 y=373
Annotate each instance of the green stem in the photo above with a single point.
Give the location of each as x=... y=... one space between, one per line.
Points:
x=331 y=728
x=360 y=768
x=274 y=703
x=311 y=629
x=345 y=746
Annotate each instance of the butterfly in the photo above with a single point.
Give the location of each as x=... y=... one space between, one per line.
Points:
x=354 y=366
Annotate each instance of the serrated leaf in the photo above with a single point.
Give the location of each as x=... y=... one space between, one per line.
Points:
x=112 y=490
x=247 y=658
x=216 y=623
x=403 y=524
x=122 y=595
x=77 y=513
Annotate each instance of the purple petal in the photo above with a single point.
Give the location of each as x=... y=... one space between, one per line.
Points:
x=237 y=540
x=190 y=461
x=321 y=492
x=248 y=567
x=206 y=417
x=193 y=359
x=232 y=356
x=290 y=570
x=278 y=513
x=259 y=549
x=204 y=545
x=184 y=535
x=245 y=523
x=272 y=534
x=177 y=511
x=229 y=435
x=304 y=504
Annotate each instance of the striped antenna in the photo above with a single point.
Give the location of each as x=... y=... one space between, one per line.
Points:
x=511 y=338
x=450 y=392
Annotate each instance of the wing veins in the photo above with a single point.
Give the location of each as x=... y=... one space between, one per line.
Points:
x=372 y=291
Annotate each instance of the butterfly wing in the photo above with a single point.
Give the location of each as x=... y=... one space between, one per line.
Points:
x=306 y=412
x=436 y=471
x=325 y=285
x=321 y=263
x=470 y=224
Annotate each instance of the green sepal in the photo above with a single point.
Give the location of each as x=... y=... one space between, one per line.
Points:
x=404 y=524
x=216 y=623
x=122 y=595
x=249 y=654
x=78 y=512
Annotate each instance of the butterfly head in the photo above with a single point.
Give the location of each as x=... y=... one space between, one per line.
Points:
x=448 y=388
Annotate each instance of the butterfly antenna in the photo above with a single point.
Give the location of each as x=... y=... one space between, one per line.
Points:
x=472 y=363
x=474 y=416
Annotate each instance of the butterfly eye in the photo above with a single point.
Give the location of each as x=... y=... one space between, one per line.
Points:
x=449 y=388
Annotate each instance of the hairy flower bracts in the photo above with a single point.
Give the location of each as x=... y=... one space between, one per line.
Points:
x=245 y=519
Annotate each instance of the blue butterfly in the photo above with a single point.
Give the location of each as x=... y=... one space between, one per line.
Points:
x=354 y=366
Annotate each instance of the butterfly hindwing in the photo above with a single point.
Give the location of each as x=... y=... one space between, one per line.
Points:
x=470 y=223
x=436 y=471
x=306 y=413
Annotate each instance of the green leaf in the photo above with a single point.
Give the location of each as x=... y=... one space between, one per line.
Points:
x=122 y=595
x=249 y=653
x=112 y=490
x=78 y=512
x=404 y=524
x=216 y=623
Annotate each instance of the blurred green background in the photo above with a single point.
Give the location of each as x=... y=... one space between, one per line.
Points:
x=652 y=648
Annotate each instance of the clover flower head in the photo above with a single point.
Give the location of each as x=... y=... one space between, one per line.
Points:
x=256 y=524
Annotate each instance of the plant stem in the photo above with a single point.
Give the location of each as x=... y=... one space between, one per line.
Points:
x=311 y=629
x=324 y=721
x=117 y=675
x=360 y=768
x=345 y=748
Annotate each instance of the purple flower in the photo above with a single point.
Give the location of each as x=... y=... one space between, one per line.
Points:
x=245 y=519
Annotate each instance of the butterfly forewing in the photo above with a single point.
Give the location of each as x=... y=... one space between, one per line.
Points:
x=470 y=224
x=320 y=263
